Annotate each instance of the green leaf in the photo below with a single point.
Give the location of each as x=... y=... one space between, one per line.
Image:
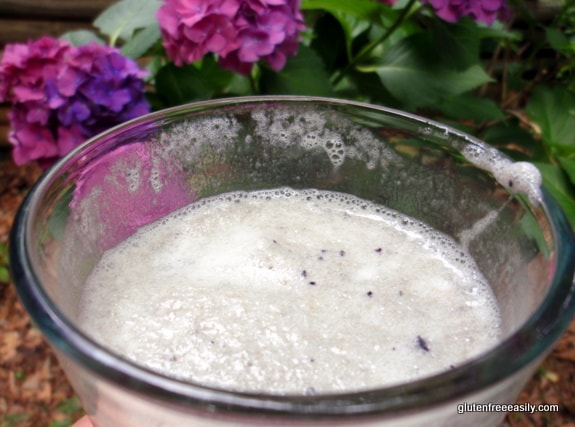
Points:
x=126 y=16
x=4 y=261
x=532 y=229
x=13 y=420
x=509 y=135
x=555 y=181
x=4 y=274
x=138 y=45
x=363 y=9
x=3 y=253
x=81 y=37
x=568 y=166
x=557 y=39
x=498 y=30
x=352 y=28
x=470 y=106
x=213 y=79
x=562 y=150
x=157 y=102
x=179 y=85
x=355 y=18
x=366 y=87
x=553 y=109
x=239 y=85
x=70 y=405
x=456 y=44
x=411 y=71
x=330 y=41
x=303 y=74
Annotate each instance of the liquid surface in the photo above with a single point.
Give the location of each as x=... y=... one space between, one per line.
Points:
x=290 y=292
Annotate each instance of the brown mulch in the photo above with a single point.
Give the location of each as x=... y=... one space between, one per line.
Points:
x=33 y=389
x=35 y=393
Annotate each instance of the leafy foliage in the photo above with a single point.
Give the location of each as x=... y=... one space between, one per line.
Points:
x=553 y=109
x=411 y=72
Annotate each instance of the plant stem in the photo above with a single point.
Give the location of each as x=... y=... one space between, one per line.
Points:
x=254 y=78
x=366 y=50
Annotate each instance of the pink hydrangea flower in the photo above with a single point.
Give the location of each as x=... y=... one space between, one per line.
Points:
x=62 y=95
x=240 y=32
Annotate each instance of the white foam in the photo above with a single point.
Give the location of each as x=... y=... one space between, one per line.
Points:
x=290 y=291
x=312 y=129
x=516 y=177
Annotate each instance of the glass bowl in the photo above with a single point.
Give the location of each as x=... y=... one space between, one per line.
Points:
x=137 y=172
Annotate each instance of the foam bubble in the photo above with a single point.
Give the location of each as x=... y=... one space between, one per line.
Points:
x=338 y=136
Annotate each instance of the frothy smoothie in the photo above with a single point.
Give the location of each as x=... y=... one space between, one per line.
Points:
x=290 y=291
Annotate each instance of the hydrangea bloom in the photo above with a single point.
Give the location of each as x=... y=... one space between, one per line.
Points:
x=61 y=95
x=240 y=32
x=486 y=11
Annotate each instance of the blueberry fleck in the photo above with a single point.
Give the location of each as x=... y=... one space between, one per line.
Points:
x=369 y=294
x=378 y=250
x=341 y=253
x=312 y=283
x=422 y=343
x=304 y=273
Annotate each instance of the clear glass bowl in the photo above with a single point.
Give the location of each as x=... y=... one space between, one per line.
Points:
x=137 y=172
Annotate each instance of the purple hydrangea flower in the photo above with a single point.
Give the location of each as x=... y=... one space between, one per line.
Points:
x=486 y=11
x=240 y=32
x=62 y=95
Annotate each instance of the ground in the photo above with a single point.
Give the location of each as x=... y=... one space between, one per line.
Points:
x=35 y=393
